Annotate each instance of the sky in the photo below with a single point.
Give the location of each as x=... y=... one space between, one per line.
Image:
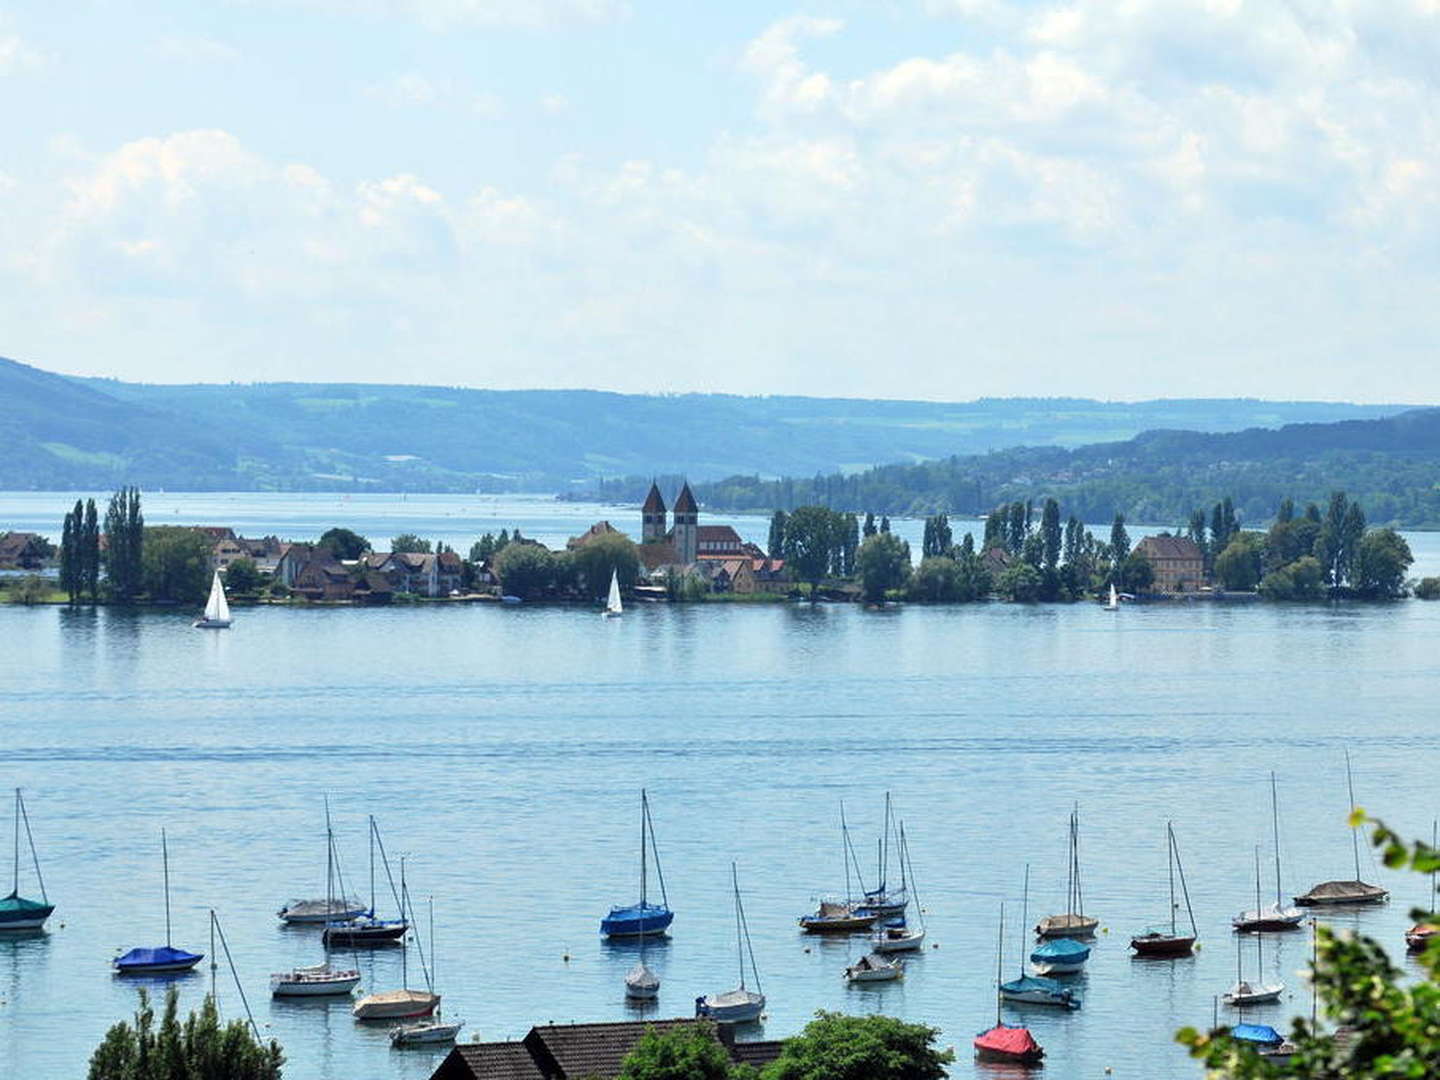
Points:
x=935 y=199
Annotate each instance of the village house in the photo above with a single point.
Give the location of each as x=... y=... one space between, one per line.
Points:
x=576 y=1051
x=1178 y=562
x=717 y=553
x=600 y=528
x=418 y=573
x=23 y=551
x=290 y=562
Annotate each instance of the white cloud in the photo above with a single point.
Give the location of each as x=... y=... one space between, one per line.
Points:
x=195 y=48
x=446 y=14
x=554 y=104
x=407 y=89
x=16 y=54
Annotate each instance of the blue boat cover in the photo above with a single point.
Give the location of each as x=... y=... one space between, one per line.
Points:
x=1256 y=1033
x=1060 y=949
x=1028 y=983
x=159 y=956
x=635 y=919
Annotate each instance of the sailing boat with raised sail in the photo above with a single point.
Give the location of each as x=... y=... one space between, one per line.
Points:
x=1001 y=1043
x=613 y=607
x=643 y=918
x=741 y=1005
x=1113 y=603
x=368 y=928
x=1257 y=993
x=1073 y=923
x=217 y=608
x=1155 y=941
x=162 y=959
x=1328 y=893
x=1274 y=916
x=837 y=916
x=17 y=912
x=897 y=935
x=405 y=1003
x=318 y=980
x=1033 y=989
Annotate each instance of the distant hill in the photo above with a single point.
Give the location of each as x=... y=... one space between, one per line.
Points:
x=1391 y=465
x=62 y=432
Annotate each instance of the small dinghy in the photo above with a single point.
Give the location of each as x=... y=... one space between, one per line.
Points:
x=16 y=911
x=1073 y=923
x=741 y=1005
x=1059 y=956
x=872 y=967
x=217 y=608
x=1160 y=943
x=1332 y=893
x=425 y=1033
x=162 y=959
x=1003 y=1044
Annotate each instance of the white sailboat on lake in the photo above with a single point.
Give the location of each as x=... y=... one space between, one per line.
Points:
x=318 y=980
x=613 y=608
x=741 y=1005
x=217 y=608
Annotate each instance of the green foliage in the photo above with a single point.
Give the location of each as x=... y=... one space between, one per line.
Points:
x=343 y=543
x=29 y=590
x=1238 y=565
x=410 y=544
x=242 y=576
x=1378 y=565
x=1393 y=1023
x=1428 y=588
x=687 y=1053
x=1020 y=583
x=1303 y=579
x=1136 y=574
x=124 y=555
x=200 y=1048
x=941 y=579
x=813 y=535
x=836 y=1047
x=176 y=566
x=71 y=575
x=594 y=560
x=883 y=563
x=775 y=545
x=525 y=570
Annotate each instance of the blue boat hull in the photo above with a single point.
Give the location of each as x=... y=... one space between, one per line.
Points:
x=636 y=922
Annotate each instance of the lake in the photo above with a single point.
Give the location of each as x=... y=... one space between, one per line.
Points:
x=503 y=749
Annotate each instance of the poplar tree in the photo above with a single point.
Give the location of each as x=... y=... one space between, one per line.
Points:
x=90 y=551
x=71 y=557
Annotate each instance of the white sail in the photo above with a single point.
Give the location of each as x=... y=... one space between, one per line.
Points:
x=217 y=609
x=612 y=605
x=1114 y=599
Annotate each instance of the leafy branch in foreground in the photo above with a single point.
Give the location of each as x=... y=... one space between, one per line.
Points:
x=1384 y=1029
x=198 y=1049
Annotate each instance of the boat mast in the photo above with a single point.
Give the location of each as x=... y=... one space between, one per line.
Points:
x=845 y=851
x=1275 y=833
x=17 y=842
x=885 y=846
x=905 y=860
x=749 y=947
x=1354 y=835
x=165 y=859
x=1024 y=915
x=739 y=948
x=655 y=851
x=34 y=858
x=372 y=866
x=1184 y=889
x=644 y=805
x=404 y=948
x=1259 y=937
x=999 y=963
x=329 y=881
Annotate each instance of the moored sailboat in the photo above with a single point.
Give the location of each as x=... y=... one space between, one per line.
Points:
x=1031 y=989
x=1003 y=1044
x=741 y=1005
x=1259 y=992
x=881 y=901
x=1157 y=942
x=368 y=928
x=1276 y=916
x=1073 y=922
x=835 y=916
x=897 y=935
x=404 y=1003
x=434 y=1029
x=217 y=608
x=318 y=980
x=1418 y=937
x=1330 y=893
x=18 y=912
x=642 y=984
x=643 y=918
x=160 y=959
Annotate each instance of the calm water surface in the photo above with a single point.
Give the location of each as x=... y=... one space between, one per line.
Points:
x=503 y=749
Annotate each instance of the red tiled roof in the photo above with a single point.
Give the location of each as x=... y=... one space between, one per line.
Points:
x=717 y=533
x=1170 y=547
x=600 y=528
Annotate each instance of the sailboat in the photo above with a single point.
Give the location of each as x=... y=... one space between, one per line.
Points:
x=433 y=1030
x=741 y=1005
x=217 y=608
x=880 y=901
x=897 y=935
x=1156 y=942
x=162 y=958
x=1001 y=1043
x=368 y=928
x=1257 y=993
x=642 y=984
x=1417 y=938
x=1113 y=604
x=16 y=912
x=1074 y=923
x=332 y=909
x=318 y=980
x=1275 y=916
x=837 y=916
x=1032 y=989
x=613 y=608
x=1328 y=893
x=643 y=918
x=405 y=1003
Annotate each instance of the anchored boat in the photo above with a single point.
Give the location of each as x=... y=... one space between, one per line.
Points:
x=841 y=916
x=368 y=928
x=1274 y=916
x=643 y=918
x=1157 y=942
x=405 y=1003
x=1329 y=893
x=318 y=980
x=434 y=1030
x=1004 y=1044
x=1028 y=989
x=161 y=959
x=16 y=911
x=1073 y=922
x=741 y=1005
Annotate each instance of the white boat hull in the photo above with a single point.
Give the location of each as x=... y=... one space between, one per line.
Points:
x=395 y=1005
x=739 y=1006
x=1058 y=967
x=291 y=985
x=1246 y=994
x=424 y=1034
x=876 y=975
x=904 y=943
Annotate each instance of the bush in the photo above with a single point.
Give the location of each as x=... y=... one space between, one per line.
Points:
x=1428 y=589
x=596 y=559
x=525 y=570
x=836 y=1047
x=883 y=561
x=1020 y=584
x=242 y=576
x=198 y=1049
x=29 y=590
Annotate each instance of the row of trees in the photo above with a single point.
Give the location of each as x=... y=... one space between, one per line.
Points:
x=168 y=564
x=80 y=552
x=529 y=570
x=1055 y=562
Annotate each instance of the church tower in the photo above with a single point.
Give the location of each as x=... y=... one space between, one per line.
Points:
x=687 y=526
x=652 y=517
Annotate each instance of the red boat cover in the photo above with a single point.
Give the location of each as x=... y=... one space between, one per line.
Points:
x=1007 y=1040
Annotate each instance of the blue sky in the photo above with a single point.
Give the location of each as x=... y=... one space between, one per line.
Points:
x=907 y=198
